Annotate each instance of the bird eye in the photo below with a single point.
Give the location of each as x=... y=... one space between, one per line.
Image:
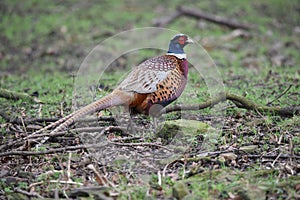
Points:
x=181 y=40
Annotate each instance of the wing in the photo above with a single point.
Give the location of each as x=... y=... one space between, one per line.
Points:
x=145 y=77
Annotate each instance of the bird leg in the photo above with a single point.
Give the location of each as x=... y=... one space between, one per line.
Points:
x=155 y=113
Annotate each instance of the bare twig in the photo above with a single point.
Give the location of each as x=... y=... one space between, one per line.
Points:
x=69 y=166
x=40 y=110
x=28 y=194
x=283 y=156
x=124 y=139
x=65 y=182
x=101 y=179
x=139 y=144
x=23 y=125
x=159 y=177
x=291 y=149
x=62 y=108
x=51 y=151
x=273 y=163
x=32 y=185
x=280 y=95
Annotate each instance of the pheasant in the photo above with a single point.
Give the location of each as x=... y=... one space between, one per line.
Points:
x=156 y=81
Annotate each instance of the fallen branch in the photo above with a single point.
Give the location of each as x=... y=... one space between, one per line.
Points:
x=240 y=102
x=207 y=104
x=199 y=14
x=243 y=102
x=4 y=93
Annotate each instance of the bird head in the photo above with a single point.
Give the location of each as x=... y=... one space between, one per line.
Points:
x=177 y=44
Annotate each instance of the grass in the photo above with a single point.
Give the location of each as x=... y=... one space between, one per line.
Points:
x=45 y=42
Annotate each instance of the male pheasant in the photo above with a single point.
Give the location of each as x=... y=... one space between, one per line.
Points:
x=159 y=80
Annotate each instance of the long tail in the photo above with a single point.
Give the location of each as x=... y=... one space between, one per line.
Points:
x=58 y=122
x=113 y=99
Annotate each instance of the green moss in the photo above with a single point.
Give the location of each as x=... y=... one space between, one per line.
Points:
x=183 y=130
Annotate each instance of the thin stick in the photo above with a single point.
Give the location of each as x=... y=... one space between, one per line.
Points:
x=159 y=178
x=40 y=110
x=69 y=166
x=23 y=125
x=51 y=151
x=28 y=194
x=280 y=95
x=101 y=179
x=283 y=156
x=65 y=182
x=139 y=144
x=276 y=159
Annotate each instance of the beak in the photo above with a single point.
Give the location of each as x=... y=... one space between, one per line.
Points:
x=189 y=41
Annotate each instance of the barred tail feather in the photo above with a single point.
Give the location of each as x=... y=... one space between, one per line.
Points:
x=54 y=124
x=112 y=99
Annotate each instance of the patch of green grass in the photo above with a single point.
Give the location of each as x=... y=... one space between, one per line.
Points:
x=251 y=184
x=50 y=89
